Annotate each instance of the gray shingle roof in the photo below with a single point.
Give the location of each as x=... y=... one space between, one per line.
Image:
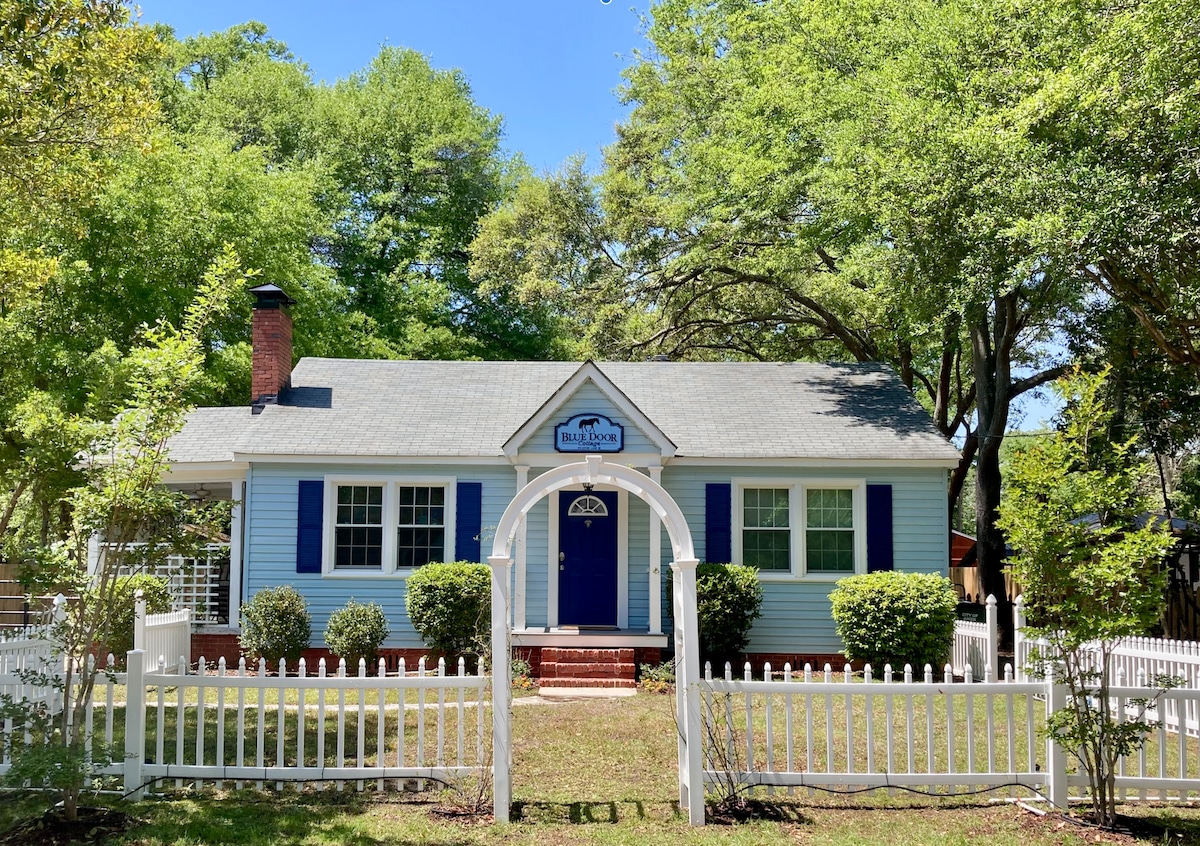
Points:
x=342 y=407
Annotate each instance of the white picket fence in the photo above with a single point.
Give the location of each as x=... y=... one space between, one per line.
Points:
x=240 y=728
x=840 y=733
x=166 y=638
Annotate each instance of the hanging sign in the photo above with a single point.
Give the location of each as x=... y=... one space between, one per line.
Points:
x=589 y=433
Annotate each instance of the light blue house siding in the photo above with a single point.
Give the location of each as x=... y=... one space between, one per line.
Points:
x=796 y=614
x=270 y=531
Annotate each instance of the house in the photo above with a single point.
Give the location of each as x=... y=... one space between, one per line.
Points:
x=349 y=474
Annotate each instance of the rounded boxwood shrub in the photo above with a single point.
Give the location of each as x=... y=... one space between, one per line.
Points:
x=895 y=618
x=450 y=606
x=155 y=591
x=356 y=631
x=275 y=624
x=728 y=601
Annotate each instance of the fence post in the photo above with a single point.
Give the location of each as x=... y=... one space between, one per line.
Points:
x=501 y=690
x=135 y=722
x=993 y=636
x=687 y=676
x=139 y=620
x=1056 y=756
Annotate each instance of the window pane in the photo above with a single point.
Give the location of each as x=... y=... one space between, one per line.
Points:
x=830 y=509
x=766 y=508
x=358 y=534
x=830 y=551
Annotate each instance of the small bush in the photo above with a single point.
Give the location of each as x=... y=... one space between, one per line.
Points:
x=275 y=624
x=119 y=639
x=728 y=601
x=658 y=678
x=355 y=632
x=522 y=674
x=450 y=606
x=895 y=618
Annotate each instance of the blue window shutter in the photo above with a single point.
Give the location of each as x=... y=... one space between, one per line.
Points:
x=468 y=521
x=879 y=527
x=310 y=512
x=718 y=533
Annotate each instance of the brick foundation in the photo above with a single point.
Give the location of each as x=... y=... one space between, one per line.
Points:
x=213 y=646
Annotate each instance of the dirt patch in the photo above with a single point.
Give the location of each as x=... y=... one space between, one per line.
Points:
x=93 y=825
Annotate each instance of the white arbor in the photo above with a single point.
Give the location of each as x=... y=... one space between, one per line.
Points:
x=593 y=470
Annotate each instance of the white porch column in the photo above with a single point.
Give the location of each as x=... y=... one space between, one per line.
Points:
x=655 y=560
x=519 y=587
x=235 y=554
x=501 y=689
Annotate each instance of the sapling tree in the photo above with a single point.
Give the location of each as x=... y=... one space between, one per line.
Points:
x=122 y=502
x=1088 y=562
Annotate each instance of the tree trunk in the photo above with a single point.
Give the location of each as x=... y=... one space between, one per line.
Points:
x=992 y=336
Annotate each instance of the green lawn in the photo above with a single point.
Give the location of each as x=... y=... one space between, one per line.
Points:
x=599 y=771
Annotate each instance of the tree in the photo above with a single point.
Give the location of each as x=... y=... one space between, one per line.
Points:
x=552 y=249
x=811 y=179
x=1090 y=570
x=121 y=501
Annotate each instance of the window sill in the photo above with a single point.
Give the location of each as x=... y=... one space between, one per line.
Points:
x=804 y=577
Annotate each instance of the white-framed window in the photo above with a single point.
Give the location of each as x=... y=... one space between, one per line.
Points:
x=387 y=524
x=800 y=528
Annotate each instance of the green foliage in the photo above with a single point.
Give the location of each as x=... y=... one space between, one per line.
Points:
x=1090 y=569
x=450 y=607
x=356 y=631
x=276 y=624
x=895 y=618
x=657 y=678
x=154 y=590
x=728 y=601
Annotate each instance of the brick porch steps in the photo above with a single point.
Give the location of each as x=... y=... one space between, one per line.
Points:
x=613 y=668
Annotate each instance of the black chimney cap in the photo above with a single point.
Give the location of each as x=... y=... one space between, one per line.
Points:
x=270 y=296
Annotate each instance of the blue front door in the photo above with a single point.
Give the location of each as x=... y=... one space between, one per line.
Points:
x=587 y=559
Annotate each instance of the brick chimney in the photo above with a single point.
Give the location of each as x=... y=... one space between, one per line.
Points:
x=271 y=341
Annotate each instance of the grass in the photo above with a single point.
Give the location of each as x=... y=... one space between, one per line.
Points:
x=593 y=771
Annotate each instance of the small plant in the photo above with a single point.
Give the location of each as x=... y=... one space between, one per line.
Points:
x=657 y=678
x=158 y=601
x=355 y=632
x=728 y=601
x=276 y=624
x=450 y=606
x=522 y=674
x=895 y=618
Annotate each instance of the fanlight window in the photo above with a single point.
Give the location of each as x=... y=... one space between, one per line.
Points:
x=588 y=506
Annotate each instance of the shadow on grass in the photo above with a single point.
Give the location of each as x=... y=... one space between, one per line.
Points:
x=614 y=813
x=220 y=821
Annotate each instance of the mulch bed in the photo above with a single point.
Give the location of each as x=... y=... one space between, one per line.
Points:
x=93 y=825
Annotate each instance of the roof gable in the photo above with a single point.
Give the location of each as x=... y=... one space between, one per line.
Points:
x=588 y=374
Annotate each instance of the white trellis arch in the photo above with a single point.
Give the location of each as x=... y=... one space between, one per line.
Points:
x=593 y=470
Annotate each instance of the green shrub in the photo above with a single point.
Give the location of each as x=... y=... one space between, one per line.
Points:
x=728 y=601
x=355 y=632
x=657 y=678
x=275 y=624
x=450 y=606
x=119 y=638
x=895 y=618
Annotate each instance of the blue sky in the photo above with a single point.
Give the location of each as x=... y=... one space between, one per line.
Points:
x=550 y=67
